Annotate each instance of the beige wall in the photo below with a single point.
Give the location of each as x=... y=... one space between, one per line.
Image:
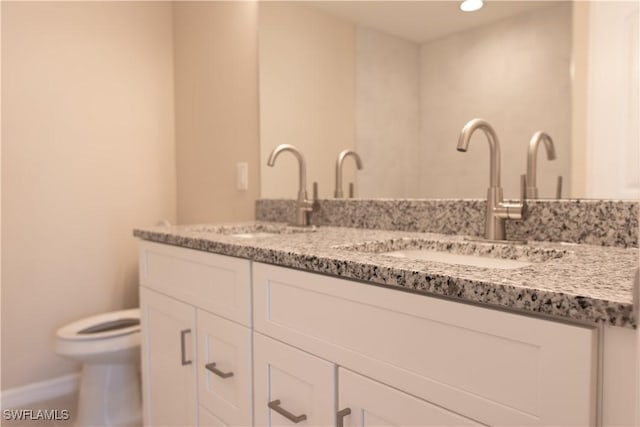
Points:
x=515 y=74
x=579 y=68
x=307 y=96
x=87 y=155
x=387 y=115
x=216 y=81
x=613 y=100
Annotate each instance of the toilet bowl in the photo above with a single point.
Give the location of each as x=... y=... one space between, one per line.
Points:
x=108 y=346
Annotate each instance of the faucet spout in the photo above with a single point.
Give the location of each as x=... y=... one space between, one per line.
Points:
x=494 y=146
x=343 y=155
x=302 y=166
x=304 y=205
x=532 y=155
x=497 y=210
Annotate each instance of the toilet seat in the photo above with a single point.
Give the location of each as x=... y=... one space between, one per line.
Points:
x=81 y=329
x=106 y=346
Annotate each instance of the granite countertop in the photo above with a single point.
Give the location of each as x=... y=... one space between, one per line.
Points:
x=572 y=281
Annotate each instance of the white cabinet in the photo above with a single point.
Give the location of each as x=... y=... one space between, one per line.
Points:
x=168 y=350
x=215 y=283
x=224 y=368
x=291 y=386
x=206 y=418
x=322 y=344
x=491 y=366
x=365 y=402
x=196 y=344
x=295 y=387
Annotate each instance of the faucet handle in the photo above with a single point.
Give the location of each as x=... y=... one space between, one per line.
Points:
x=352 y=190
x=559 y=188
x=515 y=210
x=523 y=196
x=315 y=204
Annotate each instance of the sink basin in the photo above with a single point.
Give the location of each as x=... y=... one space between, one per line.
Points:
x=458 y=252
x=449 y=258
x=250 y=230
x=253 y=235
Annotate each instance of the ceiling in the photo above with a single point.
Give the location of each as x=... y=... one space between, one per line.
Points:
x=421 y=21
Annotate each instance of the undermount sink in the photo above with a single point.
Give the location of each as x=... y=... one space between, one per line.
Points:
x=449 y=258
x=251 y=230
x=495 y=255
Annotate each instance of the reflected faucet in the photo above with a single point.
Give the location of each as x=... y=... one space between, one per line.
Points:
x=532 y=154
x=303 y=205
x=497 y=210
x=343 y=155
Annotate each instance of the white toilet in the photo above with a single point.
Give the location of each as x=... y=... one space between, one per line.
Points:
x=108 y=346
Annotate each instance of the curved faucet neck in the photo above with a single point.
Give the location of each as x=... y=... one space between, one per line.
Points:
x=494 y=146
x=532 y=159
x=302 y=167
x=343 y=155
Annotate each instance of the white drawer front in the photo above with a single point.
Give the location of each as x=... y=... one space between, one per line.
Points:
x=216 y=283
x=304 y=385
x=495 y=367
x=207 y=419
x=375 y=404
x=224 y=388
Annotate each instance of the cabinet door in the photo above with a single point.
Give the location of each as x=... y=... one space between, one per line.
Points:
x=224 y=369
x=374 y=404
x=168 y=366
x=207 y=419
x=291 y=386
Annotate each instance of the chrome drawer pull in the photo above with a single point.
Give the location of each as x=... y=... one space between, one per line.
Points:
x=341 y=415
x=183 y=350
x=275 y=405
x=212 y=367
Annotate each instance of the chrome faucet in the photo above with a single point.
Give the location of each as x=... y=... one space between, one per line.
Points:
x=343 y=155
x=532 y=154
x=497 y=210
x=303 y=205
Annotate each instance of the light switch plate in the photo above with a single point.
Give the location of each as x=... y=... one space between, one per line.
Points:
x=242 y=176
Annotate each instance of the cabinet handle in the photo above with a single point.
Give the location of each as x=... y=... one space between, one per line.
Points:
x=341 y=415
x=212 y=367
x=275 y=405
x=183 y=349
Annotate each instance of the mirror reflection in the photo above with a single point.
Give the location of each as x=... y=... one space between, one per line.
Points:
x=397 y=81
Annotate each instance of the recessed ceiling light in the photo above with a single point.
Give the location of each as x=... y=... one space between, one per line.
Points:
x=470 y=5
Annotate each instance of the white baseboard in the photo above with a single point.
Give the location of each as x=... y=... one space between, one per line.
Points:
x=29 y=394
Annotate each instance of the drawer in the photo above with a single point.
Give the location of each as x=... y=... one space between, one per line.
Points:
x=225 y=387
x=302 y=383
x=207 y=419
x=374 y=404
x=216 y=283
x=492 y=366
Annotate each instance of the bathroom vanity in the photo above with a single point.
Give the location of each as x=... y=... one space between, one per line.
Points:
x=264 y=324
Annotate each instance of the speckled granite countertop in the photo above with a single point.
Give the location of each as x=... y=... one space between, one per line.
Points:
x=576 y=282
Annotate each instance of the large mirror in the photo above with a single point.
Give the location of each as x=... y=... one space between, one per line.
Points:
x=396 y=81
